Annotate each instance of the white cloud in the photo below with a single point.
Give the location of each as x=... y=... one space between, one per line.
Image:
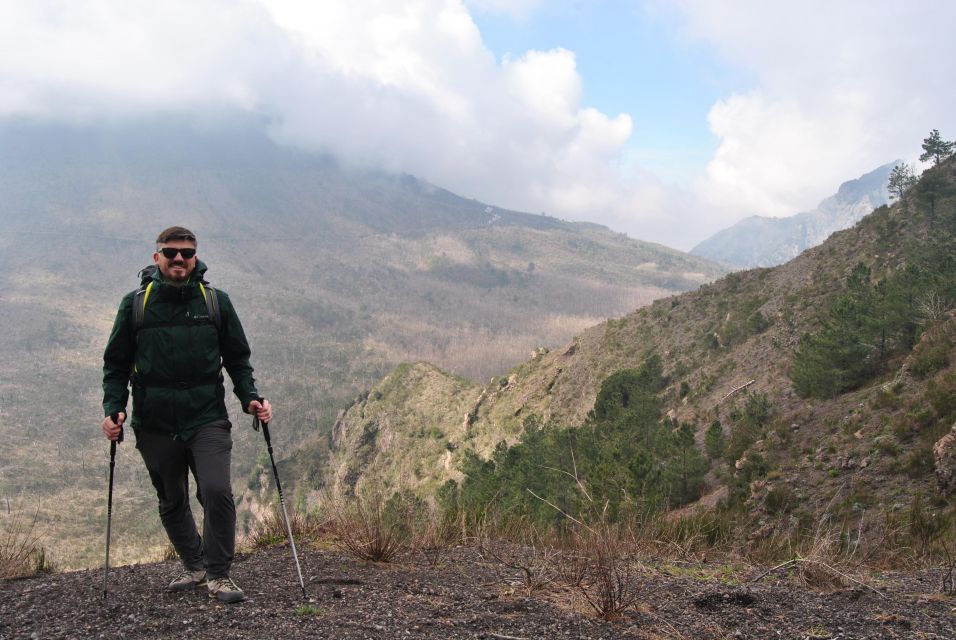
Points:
x=408 y=86
x=841 y=88
x=90 y=59
x=515 y=8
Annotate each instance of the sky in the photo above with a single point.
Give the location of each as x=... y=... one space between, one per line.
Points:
x=667 y=120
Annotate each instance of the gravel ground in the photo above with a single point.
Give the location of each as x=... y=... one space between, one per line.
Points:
x=461 y=595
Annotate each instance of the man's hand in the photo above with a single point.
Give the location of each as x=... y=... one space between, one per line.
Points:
x=262 y=409
x=112 y=430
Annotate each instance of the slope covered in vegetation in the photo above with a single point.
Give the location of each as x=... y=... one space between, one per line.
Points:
x=817 y=388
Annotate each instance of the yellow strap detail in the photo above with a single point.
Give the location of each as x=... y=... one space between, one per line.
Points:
x=203 y=289
x=149 y=288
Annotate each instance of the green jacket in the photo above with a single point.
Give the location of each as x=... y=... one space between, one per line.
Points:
x=175 y=362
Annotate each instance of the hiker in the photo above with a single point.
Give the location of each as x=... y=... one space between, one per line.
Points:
x=170 y=340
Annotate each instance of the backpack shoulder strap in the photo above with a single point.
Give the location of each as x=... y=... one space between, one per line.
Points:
x=142 y=295
x=139 y=305
x=212 y=304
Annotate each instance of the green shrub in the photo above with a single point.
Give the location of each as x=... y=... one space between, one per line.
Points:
x=779 y=500
x=887 y=398
x=886 y=445
x=919 y=463
x=757 y=323
x=931 y=357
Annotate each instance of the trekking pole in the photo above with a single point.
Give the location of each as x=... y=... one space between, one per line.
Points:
x=275 y=472
x=109 y=504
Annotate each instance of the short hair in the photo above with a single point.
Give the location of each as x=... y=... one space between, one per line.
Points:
x=175 y=233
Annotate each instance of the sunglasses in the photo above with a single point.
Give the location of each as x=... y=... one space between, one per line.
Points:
x=170 y=253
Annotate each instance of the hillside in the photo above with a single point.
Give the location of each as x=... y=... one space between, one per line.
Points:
x=338 y=274
x=760 y=241
x=868 y=450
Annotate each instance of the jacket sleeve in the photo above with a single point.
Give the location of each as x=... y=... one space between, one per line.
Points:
x=118 y=360
x=235 y=352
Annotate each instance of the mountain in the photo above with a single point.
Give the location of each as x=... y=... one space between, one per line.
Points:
x=338 y=273
x=759 y=241
x=826 y=381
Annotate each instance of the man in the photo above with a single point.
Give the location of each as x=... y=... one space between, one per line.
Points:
x=172 y=355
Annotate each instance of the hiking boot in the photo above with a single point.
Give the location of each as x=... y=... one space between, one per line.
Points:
x=225 y=590
x=188 y=580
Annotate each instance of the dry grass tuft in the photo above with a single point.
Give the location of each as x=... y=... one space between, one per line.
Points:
x=608 y=581
x=530 y=562
x=371 y=526
x=434 y=535
x=824 y=561
x=169 y=553
x=21 y=553
x=271 y=530
x=610 y=584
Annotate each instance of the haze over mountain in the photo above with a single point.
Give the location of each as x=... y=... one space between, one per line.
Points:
x=338 y=275
x=760 y=241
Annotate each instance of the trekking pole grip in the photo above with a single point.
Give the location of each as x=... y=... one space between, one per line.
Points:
x=256 y=422
x=115 y=418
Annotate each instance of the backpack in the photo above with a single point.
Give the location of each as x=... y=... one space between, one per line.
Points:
x=145 y=286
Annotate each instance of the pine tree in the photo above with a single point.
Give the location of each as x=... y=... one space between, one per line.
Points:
x=714 y=441
x=936 y=148
x=932 y=188
x=685 y=467
x=901 y=179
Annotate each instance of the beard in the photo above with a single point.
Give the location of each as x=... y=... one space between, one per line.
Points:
x=168 y=275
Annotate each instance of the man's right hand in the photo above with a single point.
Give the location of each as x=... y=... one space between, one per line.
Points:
x=112 y=430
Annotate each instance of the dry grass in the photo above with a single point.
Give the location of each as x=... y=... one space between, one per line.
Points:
x=435 y=534
x=528 y=560
x=169 y=553
x=371 y=526
x=827 y=560
x=271 y=530
x=610 y=584
x=21 y=553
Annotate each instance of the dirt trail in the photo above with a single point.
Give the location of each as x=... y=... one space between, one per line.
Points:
x=459 y=596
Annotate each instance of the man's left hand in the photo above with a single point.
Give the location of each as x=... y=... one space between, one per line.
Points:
x=262 y=409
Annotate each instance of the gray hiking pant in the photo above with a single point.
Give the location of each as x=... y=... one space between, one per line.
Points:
x=208 y=455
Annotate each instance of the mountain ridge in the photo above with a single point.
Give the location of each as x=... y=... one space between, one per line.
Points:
x=760 y=241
